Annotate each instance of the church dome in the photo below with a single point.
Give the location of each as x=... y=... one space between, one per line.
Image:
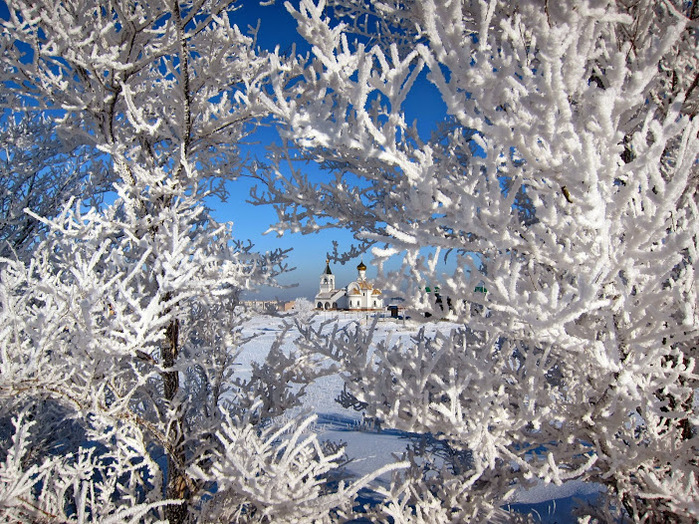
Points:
x=361 y=267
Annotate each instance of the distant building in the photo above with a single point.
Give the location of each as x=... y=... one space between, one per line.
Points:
x=328 y=296
x=287 y=306
x=360 y=295
x=268 y=306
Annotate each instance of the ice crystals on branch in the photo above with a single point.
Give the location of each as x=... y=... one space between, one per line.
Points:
x=122 y=319
x=88 y=322
x=563 y=188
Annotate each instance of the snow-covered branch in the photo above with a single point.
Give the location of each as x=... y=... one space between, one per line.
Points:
x=562 y=186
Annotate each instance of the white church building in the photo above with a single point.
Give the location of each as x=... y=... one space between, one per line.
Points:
x=359 y=295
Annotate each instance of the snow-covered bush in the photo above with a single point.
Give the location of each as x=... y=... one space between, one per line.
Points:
x=561 y=187
x=124 y=316
x=303 y=306
x=279 y=475
x=41 y=171
x=85 y=486
x=130 y=322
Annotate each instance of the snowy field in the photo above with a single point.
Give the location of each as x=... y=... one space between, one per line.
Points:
x=369 y=449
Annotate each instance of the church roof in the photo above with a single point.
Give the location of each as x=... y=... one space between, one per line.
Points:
x=330 y=295
x=354 y=287
x=327 y=268
x=361 y=266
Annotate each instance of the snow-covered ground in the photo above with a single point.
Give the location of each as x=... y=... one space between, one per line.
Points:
x=369 y=450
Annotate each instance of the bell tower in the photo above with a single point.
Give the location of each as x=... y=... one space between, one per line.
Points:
x=327 y=279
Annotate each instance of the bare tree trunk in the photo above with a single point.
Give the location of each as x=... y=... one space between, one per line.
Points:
x=176 y=487
x=177 y=479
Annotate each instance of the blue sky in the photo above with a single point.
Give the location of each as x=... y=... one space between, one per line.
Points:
x=277 y=27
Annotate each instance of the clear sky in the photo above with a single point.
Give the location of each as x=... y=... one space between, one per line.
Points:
x=278 y=28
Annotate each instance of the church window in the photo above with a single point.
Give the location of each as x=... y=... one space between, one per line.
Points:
x=320 y=305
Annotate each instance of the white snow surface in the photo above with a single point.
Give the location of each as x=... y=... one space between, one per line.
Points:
x=369 y=450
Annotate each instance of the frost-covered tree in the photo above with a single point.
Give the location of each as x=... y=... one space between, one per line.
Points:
x=562 y=188
x=40 y=171
x=303 y=306
x=90 y=323
x=121 y=322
